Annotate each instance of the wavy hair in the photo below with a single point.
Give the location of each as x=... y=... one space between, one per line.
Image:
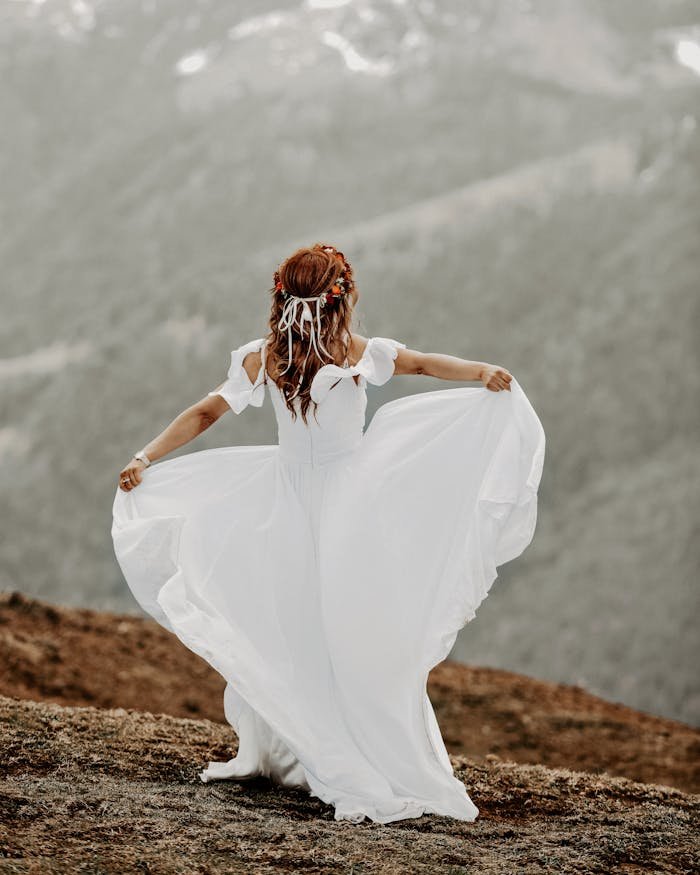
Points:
x=308 y=272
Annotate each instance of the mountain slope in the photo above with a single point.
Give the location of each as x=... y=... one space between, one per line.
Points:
x=514 y=182
x=81 y=657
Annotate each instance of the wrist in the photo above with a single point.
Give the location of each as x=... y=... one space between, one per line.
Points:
x=143 y=458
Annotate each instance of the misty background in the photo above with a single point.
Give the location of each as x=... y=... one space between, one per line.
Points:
x=515 y=182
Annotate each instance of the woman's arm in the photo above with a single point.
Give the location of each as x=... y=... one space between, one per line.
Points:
x=185 y=427
x=450 y=367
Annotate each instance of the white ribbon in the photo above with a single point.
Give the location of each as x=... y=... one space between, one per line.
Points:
x=296 y=311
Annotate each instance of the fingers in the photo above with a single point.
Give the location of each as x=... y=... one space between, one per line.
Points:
x=129 y=477
x=502 y=379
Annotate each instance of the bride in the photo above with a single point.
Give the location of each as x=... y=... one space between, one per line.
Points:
x=324 y=576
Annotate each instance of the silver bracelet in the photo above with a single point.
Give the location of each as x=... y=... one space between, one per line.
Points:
x=142 y=457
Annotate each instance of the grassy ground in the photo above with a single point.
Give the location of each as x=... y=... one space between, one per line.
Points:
x=77 y=656
x=90 y=790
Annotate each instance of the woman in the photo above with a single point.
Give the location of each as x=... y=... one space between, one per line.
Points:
x=324 y=576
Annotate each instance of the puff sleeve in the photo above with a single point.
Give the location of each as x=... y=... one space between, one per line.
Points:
x=237 y=390
x=376 y=366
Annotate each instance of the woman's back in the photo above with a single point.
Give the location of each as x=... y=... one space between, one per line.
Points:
x=336 y=422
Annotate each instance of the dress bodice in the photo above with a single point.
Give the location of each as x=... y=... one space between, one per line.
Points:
x=335 y=429
x=337 y=424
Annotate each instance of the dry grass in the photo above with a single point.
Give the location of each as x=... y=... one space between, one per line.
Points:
x=78 y=656
x=98 y=791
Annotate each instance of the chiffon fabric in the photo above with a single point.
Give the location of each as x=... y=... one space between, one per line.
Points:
x=325 y=575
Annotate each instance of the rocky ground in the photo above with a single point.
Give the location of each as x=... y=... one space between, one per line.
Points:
x=106 y=721
x=94 y=790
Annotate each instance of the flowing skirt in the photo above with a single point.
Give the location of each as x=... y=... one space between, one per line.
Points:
x=324 y=594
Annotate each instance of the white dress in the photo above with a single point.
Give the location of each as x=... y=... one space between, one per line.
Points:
x=324 y=576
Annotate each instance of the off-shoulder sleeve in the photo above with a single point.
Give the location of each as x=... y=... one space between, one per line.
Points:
x=237 y=390
x=376 y=366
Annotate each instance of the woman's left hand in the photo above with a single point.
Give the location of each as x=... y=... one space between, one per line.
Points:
x=496 y=378
x=130 y=476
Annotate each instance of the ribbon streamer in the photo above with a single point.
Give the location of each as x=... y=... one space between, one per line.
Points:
x=296 y=312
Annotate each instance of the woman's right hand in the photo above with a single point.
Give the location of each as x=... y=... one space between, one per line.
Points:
x=496 y=378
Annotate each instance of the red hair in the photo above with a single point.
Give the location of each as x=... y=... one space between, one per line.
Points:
x=308 y=273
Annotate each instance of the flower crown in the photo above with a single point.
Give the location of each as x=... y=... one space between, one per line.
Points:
x=339 y=288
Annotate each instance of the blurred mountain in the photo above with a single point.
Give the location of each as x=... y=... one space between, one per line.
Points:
x=513 y=181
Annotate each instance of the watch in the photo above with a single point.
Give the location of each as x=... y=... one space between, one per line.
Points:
x=142 y=457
